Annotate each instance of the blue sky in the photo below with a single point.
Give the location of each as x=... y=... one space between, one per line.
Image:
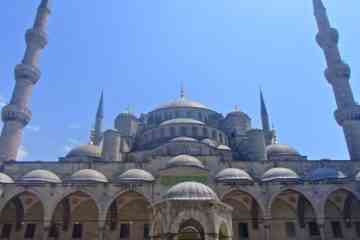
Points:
x=140 y=51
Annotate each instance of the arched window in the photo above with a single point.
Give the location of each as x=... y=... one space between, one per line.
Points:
x=205 y=132
x=213 y=134
x=195 y=131
x=200 y=116
x=172 y=132
x=162 y=132
x=177 y=114
x=221 y=138
x=183 y=131
x=188 y=114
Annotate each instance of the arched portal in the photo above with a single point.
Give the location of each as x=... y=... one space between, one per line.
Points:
x=128 y=217
x=190 y=230
x=75 y=217
x=246 y=215
x=342 y=215
x=293 y=217
x=22 y=217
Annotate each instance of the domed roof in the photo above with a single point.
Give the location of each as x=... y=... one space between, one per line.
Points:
x=40 y=176
x=190 y=191
x=135 y=175
x=88 y=175
x=280 y=149
x=183 y=139
x=182 y=102
x=280 y=174
x=224 y=147
x=181 y=121
x=5 y=178
x=238 y=113
x=326 y=173
x=233 y=175
x=210 y=142
x=86 y=150
x=184 y=161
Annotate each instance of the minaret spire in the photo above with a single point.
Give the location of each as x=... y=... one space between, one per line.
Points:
x=264 y=113
x=338 y=75
x=16 y=114
x=182 y=90
x=96 y=135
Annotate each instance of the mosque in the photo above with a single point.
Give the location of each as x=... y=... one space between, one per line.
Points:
x=182 y=171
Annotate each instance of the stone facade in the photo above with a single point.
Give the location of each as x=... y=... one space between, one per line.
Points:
x=182 y=171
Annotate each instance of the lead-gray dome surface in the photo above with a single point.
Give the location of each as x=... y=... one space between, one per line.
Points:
x=135 y=175
x=5 y=178
x=86 y=150
x=190 y=191
x=233 y=175
x=280 y=174
x=182 y=102
x=184 y=160
x=88 y=175
x=181 y=121
x=184 y=139
x=280 y=149
x=40 y=175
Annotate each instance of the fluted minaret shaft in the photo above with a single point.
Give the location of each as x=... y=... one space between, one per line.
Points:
x=16 y=114
x=338 y=75
x=97 y=132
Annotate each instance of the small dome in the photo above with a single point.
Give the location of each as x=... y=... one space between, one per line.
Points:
x=86 y=150
x=5 y=178
x=224 y=147
x=40 y=176
x=326 y=173
x=88 y=175
x=238 y=113
x=280 y=174
x=135 y=175
x=274 y=150
x=184 y=161
x=210 y=142
x=182 y=102
x=181 y=121
x=183 y=139
x=190 y=191
x=233 y=175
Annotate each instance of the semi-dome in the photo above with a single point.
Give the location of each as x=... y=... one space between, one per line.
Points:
x=88 y=175
x=281 y=175
x=5 y=178
x=326 y=174
x=229 y=175
x=86 y=150
x=183 y=139
x=184 y=161
x=135 y=175
x=40 y=176
x=280 y=150
x=210 y=142
x=224 y=147
x=181 y=121
x=182 y=102
x=190 y=191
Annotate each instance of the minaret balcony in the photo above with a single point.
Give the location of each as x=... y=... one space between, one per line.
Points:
x=12 y=112
x=28 y=72
x=36 y=37
x=351 y=113
x=328 y=39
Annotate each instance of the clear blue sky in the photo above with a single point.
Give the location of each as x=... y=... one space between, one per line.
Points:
x=139 y=51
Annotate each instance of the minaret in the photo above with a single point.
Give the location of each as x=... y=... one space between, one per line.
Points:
x=338 y=74
x=16 y=115
x=96 y=135
x=264 y=113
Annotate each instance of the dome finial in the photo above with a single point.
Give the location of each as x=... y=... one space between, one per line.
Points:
x=182 y=90
x=237 y=109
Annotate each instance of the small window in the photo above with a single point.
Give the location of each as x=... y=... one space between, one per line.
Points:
x=146 y=231
x=290 y=229
x=221 y=138
x=30 y=231
x=188 y=114
x=172 y=132
x=214 y=135
x=54 y=231
x=243 y=230
x=336 y=229
x=183 y=131
x=124 y=230
x=177 y=114
x=195 y=131
x=77 y=231
x=162 y=132
x=205 y=132
x=200 y=116
x=357 y=228
x=6 y=231
x=314 y=229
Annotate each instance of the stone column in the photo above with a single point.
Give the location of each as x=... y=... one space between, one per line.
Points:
x=46 y=230
x=16 y=114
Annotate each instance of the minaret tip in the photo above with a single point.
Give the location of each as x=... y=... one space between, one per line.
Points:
x=182 y=90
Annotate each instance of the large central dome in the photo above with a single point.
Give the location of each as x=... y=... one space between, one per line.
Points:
x=182 y=102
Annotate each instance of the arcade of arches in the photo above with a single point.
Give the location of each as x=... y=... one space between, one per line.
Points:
x=130 y=215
